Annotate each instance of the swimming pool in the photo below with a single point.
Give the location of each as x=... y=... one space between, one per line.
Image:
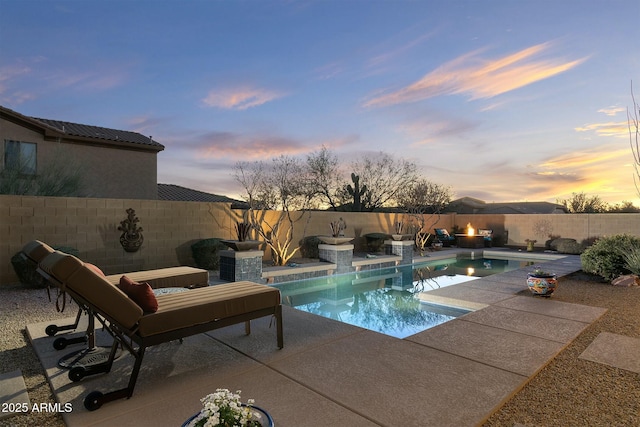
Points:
x=387 y=300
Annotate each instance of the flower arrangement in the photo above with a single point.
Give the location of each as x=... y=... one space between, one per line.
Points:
x=224 y=409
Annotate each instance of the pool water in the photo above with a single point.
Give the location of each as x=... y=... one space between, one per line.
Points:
x=387 y=300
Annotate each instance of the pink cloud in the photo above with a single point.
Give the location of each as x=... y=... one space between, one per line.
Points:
x=617 y=129
x=240 y=98
x=479 y=78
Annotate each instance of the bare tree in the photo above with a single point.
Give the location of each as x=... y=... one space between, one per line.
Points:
x=633 y=120
x=281 y=187
x=325 y=178
x=423 y=201
x=384 y=177
x=581 y=203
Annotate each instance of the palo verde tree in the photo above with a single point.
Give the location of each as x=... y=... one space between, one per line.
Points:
x=423 y=201
x=280 y=186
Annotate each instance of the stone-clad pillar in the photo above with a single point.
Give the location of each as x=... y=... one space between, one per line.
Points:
x=402 y=248
x=241 y=265
x=340 y=255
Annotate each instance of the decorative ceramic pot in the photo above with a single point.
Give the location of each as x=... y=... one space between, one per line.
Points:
x=330 y=240
x=265 y=418
x=245 y=245
x=542 y=285
x=131 y=242
x=399 y=237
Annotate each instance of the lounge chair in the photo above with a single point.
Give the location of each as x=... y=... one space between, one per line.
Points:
x=171 y=277
x=178 y=315
x=488 y=236
x=443 y=235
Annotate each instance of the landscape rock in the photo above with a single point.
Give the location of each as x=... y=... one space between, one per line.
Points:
x=626 y=280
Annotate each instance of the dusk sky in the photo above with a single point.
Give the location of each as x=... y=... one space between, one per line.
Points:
x=500 y=100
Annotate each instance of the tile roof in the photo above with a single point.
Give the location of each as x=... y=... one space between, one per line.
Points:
x=183 y=194
x=97 y=132
x=477 y=206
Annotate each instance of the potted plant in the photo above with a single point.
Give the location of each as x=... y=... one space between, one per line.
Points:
x=243 y=230
x=398 y=228
x=541 y=282
x=337 y=233
x=530 y=244
x=224 y=408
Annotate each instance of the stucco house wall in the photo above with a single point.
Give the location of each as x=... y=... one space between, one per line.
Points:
x=109 y=169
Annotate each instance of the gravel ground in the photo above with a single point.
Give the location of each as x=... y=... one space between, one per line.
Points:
x=575 y=392
x=20 y=306
x=567 y=392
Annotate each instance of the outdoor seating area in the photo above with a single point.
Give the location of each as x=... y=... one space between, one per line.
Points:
x=138 y=316
x=186 y=346
x=444 y=237
x=322 y=368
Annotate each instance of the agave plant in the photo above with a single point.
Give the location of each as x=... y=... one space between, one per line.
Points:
x=632 y=260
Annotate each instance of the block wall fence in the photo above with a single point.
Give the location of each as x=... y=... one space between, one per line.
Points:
x=170 y=228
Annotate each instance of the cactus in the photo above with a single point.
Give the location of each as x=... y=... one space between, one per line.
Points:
x=356 y=192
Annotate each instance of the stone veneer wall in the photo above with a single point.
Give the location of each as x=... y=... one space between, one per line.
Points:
x=90 y=225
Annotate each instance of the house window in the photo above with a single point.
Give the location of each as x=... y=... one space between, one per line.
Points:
x=20 y=157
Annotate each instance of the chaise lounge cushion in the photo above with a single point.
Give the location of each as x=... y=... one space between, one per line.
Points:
x=95 y=268
x=86 y=283
x=198 y=306
x=105 y=296
x=171 y=277
x=140 y=293
x=37 y=250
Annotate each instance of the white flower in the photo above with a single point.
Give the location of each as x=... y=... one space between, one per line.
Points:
x=225 y=408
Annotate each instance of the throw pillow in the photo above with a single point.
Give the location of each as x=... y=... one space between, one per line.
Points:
x=140 y=293
x=95 y=269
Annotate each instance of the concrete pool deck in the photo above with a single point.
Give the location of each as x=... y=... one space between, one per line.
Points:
x=333 y=374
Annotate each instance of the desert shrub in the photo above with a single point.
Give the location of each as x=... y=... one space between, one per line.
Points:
x=565 y=245
x=570 y=246
x=606 y=257
x=632 y=260
x=589 y=241
x=547 y=244
x=26 y=270
x=309 y=247
x=206 y=253
x=555 y=243
x=375 y=241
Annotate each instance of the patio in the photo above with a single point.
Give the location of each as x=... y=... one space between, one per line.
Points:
x=334 y=374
